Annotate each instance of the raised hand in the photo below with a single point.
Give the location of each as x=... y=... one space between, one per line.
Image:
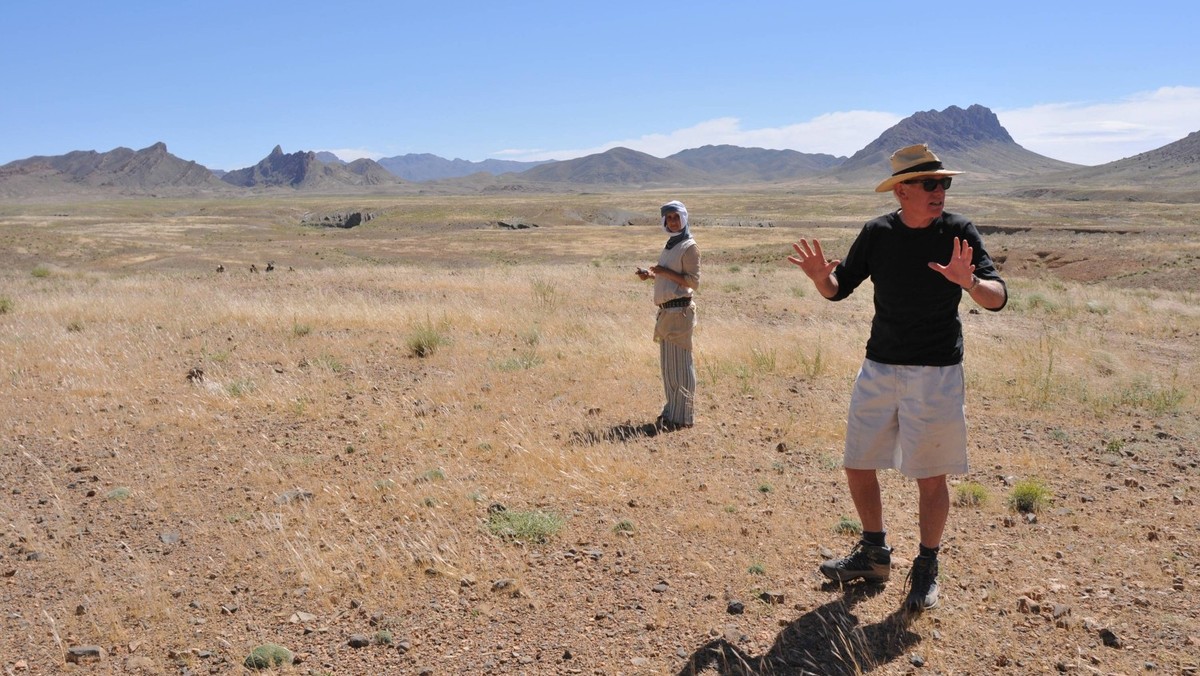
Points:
x=959 y=270
x=811 y=260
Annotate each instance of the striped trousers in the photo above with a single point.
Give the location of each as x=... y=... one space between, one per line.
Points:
x=679 y=383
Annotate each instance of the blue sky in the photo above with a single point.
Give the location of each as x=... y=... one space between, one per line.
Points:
x=223 y=82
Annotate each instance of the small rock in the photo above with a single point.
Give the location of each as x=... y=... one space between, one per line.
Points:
x=1110 y=639
x=735 y=608
x=772 y=598
x=358 y=641
x=294 y=495
x=85 y=653
x=916 y=660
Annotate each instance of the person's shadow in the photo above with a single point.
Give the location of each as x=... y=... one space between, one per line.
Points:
x=626 y=431
x=827 y=640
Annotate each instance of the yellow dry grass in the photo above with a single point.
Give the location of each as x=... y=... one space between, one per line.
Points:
x=318 y=465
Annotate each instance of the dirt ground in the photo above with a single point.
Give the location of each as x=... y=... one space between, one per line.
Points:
x=155 y=520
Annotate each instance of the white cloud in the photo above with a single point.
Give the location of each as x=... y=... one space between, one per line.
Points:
x=1081 y=132
x=835 y=133
x=1098 y=132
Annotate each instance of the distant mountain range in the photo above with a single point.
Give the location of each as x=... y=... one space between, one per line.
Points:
x=971 y=139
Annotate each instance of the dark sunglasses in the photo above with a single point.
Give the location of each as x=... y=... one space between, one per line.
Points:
x=931 y=184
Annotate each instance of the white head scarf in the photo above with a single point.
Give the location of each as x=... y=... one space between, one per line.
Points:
x=677 y=207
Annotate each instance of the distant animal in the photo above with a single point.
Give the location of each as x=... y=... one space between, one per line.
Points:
x=270 y=265
x=220 y=268
x=253 y=267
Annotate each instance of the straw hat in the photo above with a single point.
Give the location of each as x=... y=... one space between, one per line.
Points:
x=915 y=161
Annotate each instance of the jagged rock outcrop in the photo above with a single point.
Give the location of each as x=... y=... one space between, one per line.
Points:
x=341 y=219
x=303 y=171
x=971 y=140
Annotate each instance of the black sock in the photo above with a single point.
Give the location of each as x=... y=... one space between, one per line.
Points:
x=874 y=539
x=929 y=552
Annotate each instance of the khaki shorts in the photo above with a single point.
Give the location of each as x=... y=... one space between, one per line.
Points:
x=908 y=418
x=675 y=325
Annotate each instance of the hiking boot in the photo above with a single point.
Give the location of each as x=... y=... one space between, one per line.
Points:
x=923 y=585
x=872 y=563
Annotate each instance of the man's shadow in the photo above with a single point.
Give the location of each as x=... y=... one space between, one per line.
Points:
x=825 y=641
x=626 y=431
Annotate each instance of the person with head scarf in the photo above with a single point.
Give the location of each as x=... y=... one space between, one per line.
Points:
x=676 y=278
x=907 y=406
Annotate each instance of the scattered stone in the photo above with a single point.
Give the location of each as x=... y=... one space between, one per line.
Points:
x=358 y=641
x=735 y=608
x=772 y=598
x=916 y=660
x=81 y=654
x=661 y=587
x=299 y=617
x=503 y=584
x=169 y=538
x=294 y=495
x=139 y=663
x=1110 y=639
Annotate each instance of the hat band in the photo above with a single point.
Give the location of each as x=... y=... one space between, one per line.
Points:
x=927 y=166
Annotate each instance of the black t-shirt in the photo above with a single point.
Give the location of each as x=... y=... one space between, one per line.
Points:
x=916 y=308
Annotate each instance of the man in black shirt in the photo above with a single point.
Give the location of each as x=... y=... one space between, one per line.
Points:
x=906 y=410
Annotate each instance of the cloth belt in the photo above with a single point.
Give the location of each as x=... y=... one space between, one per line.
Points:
x=678 y=302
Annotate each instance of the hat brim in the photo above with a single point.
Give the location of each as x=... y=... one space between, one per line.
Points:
x=893 y=180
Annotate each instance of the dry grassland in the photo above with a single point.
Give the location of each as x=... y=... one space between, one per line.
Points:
x=333 y=463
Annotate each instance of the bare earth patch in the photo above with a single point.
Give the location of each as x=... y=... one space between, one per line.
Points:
x=196 y=463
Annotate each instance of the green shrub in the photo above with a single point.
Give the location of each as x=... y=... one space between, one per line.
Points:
x=1029 y=496
x=970 y=494
x=268 y=655
x=6 y=305
x=41 y=271
x=848 y=526
x=532 y=527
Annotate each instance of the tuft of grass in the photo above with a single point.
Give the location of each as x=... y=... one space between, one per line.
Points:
x=301 y=330
x=545 y=294
x=757 y=569
x=970 y=494
x=763 y=361
x=534 y=527
x=813 y=366
x=765 y=488
x=522 y=361
x=40 y=272
x=848 y=526
x=623 y=527
x=75 y=326
x=6 y=305
x=119 y=493
x=1029 y=496
x=240 y=388
x=426 y=339
x=435 y=474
